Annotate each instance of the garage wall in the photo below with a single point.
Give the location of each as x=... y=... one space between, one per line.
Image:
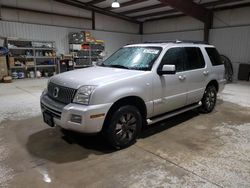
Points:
x=183 y=23
x=182 y=28
x=180 y=35
x=39 y=26
x=113 y=40
x=230 y=33
x=108 y=23
x=9 y=14
x=74 y=17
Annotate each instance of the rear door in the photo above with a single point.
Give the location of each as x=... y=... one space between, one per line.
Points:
x=196 y=73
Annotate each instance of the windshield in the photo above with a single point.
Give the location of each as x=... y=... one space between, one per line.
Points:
x=138 y=58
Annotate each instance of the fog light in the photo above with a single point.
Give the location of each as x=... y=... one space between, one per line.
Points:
x=76 y=118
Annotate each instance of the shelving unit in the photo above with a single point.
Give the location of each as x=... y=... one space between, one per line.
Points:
x=86 y=54
x=29 y=56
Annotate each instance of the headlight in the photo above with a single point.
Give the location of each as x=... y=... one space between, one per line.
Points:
x=83 y=94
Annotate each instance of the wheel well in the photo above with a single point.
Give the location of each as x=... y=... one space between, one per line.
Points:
x=214 y=83
x=131 y=100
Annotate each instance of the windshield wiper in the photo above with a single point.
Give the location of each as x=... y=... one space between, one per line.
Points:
x=118 y=66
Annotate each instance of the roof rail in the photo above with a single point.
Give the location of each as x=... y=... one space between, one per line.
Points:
x=179 y=41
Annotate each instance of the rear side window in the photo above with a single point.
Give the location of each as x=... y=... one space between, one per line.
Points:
x=194 y=59
x=174 y=56
x=214 y=56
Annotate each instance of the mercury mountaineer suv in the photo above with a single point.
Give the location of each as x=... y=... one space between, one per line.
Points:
x=138 y=85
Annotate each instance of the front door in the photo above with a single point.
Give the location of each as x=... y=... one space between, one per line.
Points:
x=170 y=90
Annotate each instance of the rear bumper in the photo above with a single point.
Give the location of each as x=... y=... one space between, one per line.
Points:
x=92 y=117
x=222 y=84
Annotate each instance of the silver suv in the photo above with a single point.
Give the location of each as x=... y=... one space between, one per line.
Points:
x=138 y=85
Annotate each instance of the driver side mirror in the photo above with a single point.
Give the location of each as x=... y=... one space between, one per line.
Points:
x=167 y=69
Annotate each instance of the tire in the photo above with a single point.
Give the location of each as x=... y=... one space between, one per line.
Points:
x=124 y=127
x=209 y=99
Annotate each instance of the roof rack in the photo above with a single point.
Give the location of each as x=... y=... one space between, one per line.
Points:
x=179 y=41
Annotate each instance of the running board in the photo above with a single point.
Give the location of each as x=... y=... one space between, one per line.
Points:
x=171 y=114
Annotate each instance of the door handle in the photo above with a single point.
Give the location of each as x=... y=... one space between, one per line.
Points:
x=205 y=73
x=182 y=77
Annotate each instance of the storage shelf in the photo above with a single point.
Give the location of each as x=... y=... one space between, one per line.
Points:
x=82 y=66
x=18 y=48
x=30 y=48
x=32 y=57
x=86 y=57
x=23 y=67
x=39 y=66
x=86 y=53
x=23 y=57
x=44 y=57
x=86 y=50
x=43 y=48
x=18 y=67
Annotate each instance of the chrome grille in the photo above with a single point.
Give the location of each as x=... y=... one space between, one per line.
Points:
x=64 y=94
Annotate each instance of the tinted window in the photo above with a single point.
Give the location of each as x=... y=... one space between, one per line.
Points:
x=174 y=56
x=195 y=58
x=214 y=56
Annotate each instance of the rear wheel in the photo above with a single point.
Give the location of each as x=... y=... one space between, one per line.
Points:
x=124 y=126
x=209 y=99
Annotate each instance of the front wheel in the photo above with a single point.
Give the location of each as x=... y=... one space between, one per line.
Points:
x=209 y=99
x=124 y=126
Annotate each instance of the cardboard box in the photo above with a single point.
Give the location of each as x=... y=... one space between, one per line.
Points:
x=90 y=39
x=30 y=63
x=75 y=46
x=3 y=67
x=11 y=61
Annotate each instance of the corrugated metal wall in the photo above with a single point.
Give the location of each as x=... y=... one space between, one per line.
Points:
x=230 y=33
x=185 y=35
x=184 y=23
x=40 y=26
x=37 y=32
x=234 y=42
x=113 y=41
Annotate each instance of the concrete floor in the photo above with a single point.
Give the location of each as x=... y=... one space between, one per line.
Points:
x=190 y=150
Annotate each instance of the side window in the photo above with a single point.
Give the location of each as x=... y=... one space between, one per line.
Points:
x=174 y=56
x=214 y=56
x=195 y=59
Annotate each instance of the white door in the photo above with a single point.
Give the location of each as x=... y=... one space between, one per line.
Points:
x=196 y=74
x=170 y=90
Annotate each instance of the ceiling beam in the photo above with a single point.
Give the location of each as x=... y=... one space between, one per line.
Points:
x=151 y=7
x=159 y=13
x=43 y=12
x=126 y=4
x=87 y=6
x=208 y=4
x=192 y=9
x=95 y=2
x=219 y=2
x=242 y=5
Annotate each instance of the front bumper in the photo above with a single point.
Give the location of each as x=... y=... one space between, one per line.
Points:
x=91 y=121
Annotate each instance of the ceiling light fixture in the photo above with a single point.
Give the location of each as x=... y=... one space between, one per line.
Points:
x=115 y=4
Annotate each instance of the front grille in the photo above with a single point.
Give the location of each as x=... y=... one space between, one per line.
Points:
x=63 y=94
x=53 y=112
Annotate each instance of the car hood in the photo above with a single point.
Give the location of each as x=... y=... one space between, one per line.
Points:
x=93 y=76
